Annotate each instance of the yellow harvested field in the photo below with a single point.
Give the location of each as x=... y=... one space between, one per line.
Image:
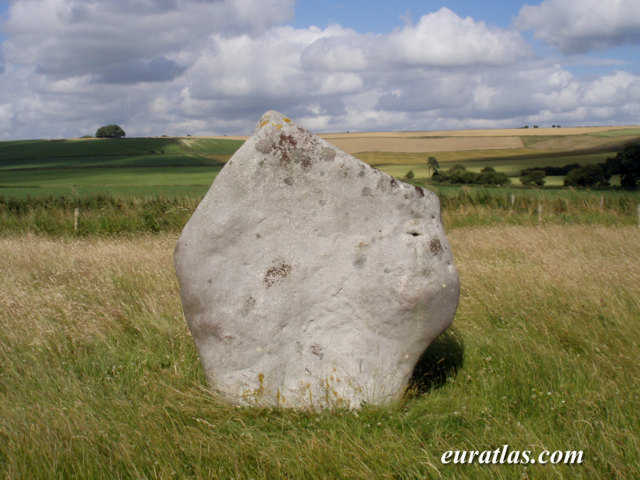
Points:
x=424 y=144
x=497 y=132
x=466 y=140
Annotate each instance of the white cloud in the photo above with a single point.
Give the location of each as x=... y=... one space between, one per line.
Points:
x=579 y=26
x=126 y=40
x=205 y=67
x=438 y=39
x=445 y=39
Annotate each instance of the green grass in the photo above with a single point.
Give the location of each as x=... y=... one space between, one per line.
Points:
x=111 y=177
x=510 y=166
x=99 y=377
x=121 y=211
x=136 y=191
x=157 y=166
x=619 y=133
x=124 y=147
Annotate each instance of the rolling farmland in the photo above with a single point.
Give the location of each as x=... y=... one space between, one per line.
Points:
x=169 y=165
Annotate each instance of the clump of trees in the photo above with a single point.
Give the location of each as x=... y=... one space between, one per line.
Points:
x=551 y=170
x=536 y=176
x=460 y=175
x=533 y=176
x=110 y=131
x=626 y=164
x=594 y=175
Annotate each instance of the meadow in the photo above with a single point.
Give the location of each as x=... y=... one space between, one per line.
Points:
x=135 y=212
x=99 y=377
x=40 y=168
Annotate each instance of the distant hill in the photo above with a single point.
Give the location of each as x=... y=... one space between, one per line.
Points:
x=108 y=153
x=133 y=166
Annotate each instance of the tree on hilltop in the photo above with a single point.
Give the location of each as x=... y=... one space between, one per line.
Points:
x=110 y=131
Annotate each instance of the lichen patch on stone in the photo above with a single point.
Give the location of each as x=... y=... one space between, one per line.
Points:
x=277 y=273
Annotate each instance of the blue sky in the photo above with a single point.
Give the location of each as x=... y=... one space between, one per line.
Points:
x=205 y=67
x=379 y=16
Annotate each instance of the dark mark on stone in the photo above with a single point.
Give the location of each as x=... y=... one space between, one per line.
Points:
x=305 y=161
x=209 y=330
x=394 y=182
x=288 y=181
x=285 y=147
x=366 y=192
x=435 y=246
x=359 y=261
x=276 y=274
x=420 y=191
x=317 y=350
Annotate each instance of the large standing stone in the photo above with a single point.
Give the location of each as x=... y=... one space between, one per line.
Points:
x=309 y=279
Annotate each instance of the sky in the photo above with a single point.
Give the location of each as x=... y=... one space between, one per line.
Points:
x=213 y=67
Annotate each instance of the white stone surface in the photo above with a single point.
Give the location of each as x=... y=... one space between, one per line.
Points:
x=309 y=279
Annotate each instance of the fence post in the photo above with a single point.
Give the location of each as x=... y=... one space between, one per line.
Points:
x=513 y=199
x=539 y=214
x=76 y=216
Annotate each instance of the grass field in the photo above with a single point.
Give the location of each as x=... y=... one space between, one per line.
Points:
x=160 y=166
x=138 y=211
x=39 y=168
x=99 y=377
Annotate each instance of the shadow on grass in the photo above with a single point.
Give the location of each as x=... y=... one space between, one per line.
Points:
x=442 y=360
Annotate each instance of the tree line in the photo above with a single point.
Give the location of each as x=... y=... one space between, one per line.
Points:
x=625 y=163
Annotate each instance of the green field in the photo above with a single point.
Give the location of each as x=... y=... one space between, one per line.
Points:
x=155 y=166
x=99 y=377
x=620 y=133
x=169 y=166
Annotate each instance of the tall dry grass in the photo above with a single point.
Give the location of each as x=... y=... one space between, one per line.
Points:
x=99 y=377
